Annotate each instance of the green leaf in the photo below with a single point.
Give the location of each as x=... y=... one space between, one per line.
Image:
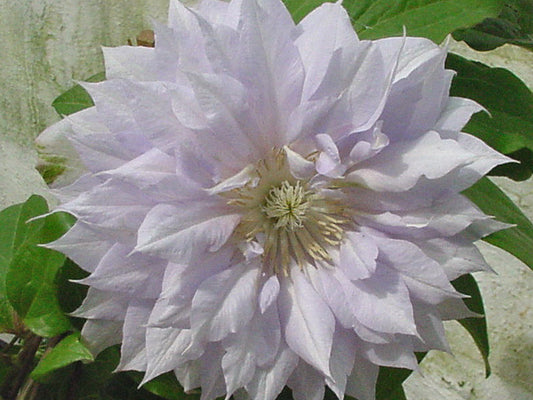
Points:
x=509 y=127
x=71 y=294
x=66 y=352
x=165 y=386
x=9 y=219
x=389 y=383
x=76 y=98
x=476 y=327
x=433 y=19
x=30 y=273
x=514 y=25
x=493 y=201
x=300 y=8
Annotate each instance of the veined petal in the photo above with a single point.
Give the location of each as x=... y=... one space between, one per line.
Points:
x=342 y=361
x=83 y=245
x=100 y=334
x=382 y=303
x=167 y=232
x=269 y=293
x=329 y=161
x=422 y=275
x=166 y=348
x=399 y=166
x=327 y=38
x=307 y=322
x=180 y=283
x=133 y=274
x=133 y=349
x=306 y=383
x=362 y=381
x=225 y=302
x=357 y=257
x=102 y=305
x=268 y=382
x=112 y=206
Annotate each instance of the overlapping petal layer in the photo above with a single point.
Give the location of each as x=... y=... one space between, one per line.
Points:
x=271 y=204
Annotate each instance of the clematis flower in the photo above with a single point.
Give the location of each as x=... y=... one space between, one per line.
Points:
x=270 y=204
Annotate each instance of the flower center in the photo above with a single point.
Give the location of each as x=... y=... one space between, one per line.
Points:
x=287 y=205
x=292 y=220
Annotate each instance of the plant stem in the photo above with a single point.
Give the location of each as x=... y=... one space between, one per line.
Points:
x=74 y=380
x=17 y=376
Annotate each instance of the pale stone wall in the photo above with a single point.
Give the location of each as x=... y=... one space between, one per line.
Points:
x=47 y=44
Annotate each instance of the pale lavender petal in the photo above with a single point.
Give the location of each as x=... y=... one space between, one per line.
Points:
x=430 y=328
x=188 y=375
x=134 y=274
x=306 y=383
x=211 y=375
x=180 y=283
x=307 y=322
x=399 y=166
x=362 y=382
x=83 y=245
x=167 y=233
x=342 y=361
x=166 y=348
x=268 y=382
x=102 y=305
x=382 y=303
x=329 y=161
x=457 y=256
x=358 y=255
x=100 y=334
x=456 y=114
x=269 y=293
x=133 y=349
x=225 y=302
x=423 y=276
x=327 y=38
x=399 y=354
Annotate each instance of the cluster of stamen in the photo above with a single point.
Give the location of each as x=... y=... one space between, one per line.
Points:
x=287 y=205
x=293 y=222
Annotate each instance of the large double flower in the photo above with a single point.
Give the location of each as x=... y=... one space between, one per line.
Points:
x=271 y=204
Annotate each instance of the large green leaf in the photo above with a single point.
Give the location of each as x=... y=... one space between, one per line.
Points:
x=493 y=201
x=508 y=126
x=433 y=19
x=9 y=233
x=477 y=327
x=30 y=273
x=66 y=352
x=514 y=25
x=76 y=98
